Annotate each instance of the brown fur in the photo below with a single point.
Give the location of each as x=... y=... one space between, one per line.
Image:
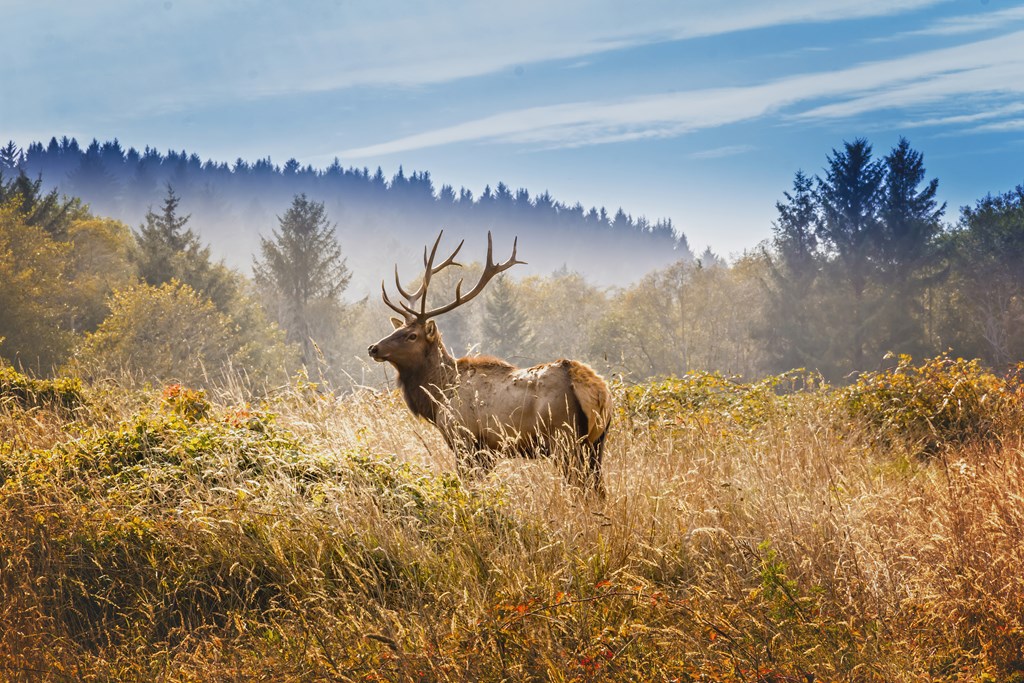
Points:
x=470 y=363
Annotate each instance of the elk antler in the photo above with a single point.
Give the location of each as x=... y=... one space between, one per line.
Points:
x=407 y=308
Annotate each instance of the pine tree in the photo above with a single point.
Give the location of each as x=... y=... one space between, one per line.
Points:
x=850 y=230
x=170 y=251
x=49 y=211
x=303 y=268
x=160 y=238
x=94 y=182
x=505 y=327
x=791 y=316
x=908 y=260
x=10 y=156
x=912 y=217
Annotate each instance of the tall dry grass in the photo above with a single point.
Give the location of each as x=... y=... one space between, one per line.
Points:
x=747 y=535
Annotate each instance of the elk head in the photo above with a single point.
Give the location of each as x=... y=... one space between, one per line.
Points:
x=416 y=336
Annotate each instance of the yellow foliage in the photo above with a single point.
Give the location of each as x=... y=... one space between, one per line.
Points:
x=167 y=333
x=941 y=402
x=747 y=535
x=35 y=294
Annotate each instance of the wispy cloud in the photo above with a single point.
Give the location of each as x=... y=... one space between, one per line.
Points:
x=722 y=152
x=959 y=119
x=422 y=44
x=356 y=43
x=994 y=66
x=1000 y=126
x=972 y=23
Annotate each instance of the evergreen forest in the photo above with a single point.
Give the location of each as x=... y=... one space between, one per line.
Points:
x=109 y=256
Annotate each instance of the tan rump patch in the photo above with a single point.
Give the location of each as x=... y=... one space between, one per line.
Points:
x=594 y=396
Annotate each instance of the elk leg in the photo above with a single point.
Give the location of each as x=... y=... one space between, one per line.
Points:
x=581 y=464
x=473 y=459
x=573 y=458
x=595 y=453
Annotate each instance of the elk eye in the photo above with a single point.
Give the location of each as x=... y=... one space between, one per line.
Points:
x=411 y=337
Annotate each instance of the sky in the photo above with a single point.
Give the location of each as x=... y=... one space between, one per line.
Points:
x=696 y=111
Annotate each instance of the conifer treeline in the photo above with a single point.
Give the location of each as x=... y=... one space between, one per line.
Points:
x=862 y=263
x=379 y=219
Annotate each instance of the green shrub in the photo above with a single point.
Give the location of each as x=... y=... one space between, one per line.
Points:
x=64 y=392
x=941 y=402
x=712 y=394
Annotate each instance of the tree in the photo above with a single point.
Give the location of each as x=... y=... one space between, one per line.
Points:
x=987 y=251
x=684 y=317
x=162 y=238
x=563 y=309
x=34 y=293
x=51 y=212
x=506 y=329
x=791 y=317
x=170 y=251
x=10 y=156
x=166 y=333
x=852 y=261
x=103 y=260
x=908 y=260
x=303 y=269
x=850 y=230
x=94 y=182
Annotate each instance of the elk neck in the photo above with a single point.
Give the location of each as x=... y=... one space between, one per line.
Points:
x=425 y=383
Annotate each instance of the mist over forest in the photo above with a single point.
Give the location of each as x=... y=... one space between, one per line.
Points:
x=380 y=220
x=114 y=257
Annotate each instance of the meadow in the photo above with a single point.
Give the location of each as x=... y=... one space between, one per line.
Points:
x=783 y=530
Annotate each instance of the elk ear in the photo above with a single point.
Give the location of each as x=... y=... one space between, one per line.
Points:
x=397 y=322
x=431 y=331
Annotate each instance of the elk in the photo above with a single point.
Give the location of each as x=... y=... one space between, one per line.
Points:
x=484 y=406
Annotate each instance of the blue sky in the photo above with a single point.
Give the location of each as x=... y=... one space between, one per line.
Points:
x=687 y=109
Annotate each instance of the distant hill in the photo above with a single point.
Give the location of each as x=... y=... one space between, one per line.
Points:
x=379 y=220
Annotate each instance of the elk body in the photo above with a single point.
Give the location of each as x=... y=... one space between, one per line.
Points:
x=486 y=407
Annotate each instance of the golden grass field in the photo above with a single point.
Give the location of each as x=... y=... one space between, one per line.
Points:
x=778 y=531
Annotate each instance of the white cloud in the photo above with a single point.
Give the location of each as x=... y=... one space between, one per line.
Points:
x=722 y=152
x=167 y=56
x=994 y=66
x=974 y=23
x=1011 y=125
x=957 y=119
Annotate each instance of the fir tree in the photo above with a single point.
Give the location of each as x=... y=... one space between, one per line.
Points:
x=168 y=250
x=160 y=238
x=506 y=329
x=10 y=156
x=303 y=269
x=908 y=260
x=790 y=321
x=850 y=229
x=49 y=211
